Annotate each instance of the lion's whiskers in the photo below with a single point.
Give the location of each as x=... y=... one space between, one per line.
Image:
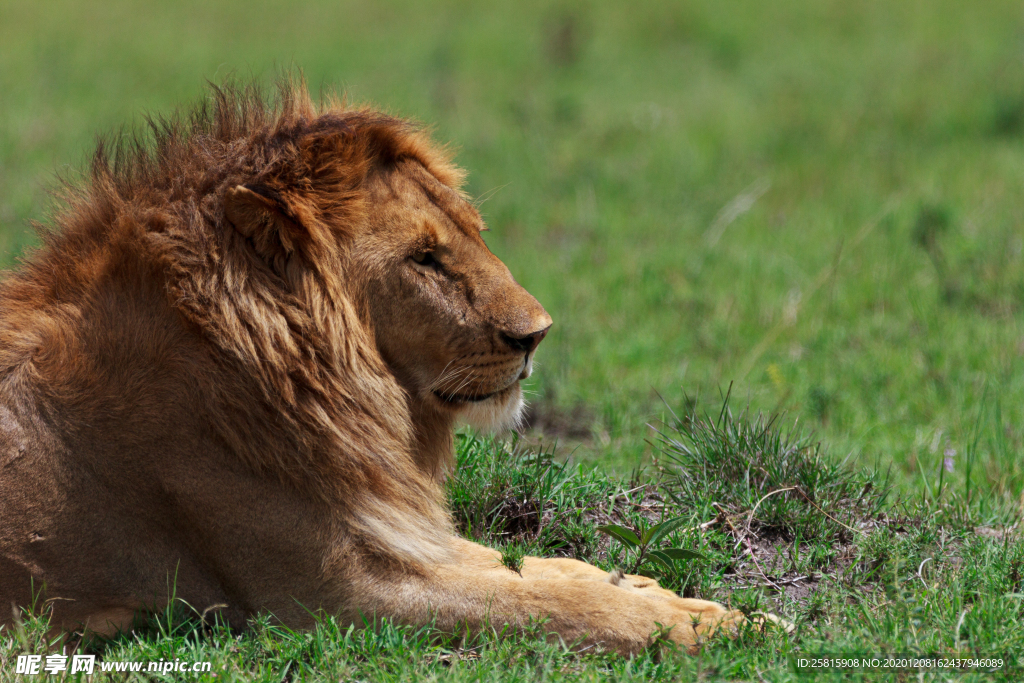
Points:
x=462 y=375
x=465 y=382
x=443 y=371
x=452 y=377
x=448 y=374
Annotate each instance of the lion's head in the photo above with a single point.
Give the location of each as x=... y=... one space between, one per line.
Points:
x=466 y=331
x=452 y=325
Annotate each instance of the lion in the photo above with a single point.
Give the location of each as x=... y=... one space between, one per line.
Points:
x=230 y=375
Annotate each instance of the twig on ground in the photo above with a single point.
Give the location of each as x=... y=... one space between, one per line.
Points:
x=705 y=525
x=750 y=549
x=786 y=582
x=920 y=567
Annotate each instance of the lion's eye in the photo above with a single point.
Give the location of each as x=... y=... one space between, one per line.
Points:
x=424 y=258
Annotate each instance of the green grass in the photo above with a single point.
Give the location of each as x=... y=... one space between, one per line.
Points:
x=818 y=203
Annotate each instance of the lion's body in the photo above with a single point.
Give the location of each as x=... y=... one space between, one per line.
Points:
x=224 y=376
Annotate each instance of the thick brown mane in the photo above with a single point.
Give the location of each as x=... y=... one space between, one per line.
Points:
x=282 y=329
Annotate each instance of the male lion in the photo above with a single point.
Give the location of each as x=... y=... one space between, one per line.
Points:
x=232 y=371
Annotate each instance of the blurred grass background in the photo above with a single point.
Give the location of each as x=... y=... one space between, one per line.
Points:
x=818 y=200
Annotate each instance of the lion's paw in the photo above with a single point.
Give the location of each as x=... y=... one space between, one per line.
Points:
x=764 y=619
x=697 y=620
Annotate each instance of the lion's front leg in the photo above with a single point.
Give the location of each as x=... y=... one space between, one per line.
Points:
x=476 y=590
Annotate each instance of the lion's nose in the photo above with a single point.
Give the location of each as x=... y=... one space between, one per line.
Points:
x=525 y=344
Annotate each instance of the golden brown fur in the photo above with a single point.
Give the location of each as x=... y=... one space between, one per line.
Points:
x=234 y=366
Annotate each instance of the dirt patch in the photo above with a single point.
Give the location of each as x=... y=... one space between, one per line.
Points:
x=575 y=424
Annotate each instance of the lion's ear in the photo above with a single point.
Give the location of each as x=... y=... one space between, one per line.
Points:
x=263 y=215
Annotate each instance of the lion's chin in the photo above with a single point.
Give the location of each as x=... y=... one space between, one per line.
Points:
x=500 y=411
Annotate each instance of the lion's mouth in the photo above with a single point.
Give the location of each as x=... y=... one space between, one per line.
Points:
x=456 y=399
